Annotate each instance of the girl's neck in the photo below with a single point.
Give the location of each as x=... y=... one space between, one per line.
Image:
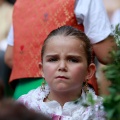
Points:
x=62 y=98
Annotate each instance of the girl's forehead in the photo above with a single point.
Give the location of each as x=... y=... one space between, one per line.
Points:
x=66 y=44
x=65 y=39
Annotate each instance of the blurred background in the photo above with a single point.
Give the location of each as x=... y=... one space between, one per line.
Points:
x=113 y=11
x=6 y=10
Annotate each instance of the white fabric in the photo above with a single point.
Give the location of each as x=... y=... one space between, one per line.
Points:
x=93 y=15
x=115 y=18
x=3 y=45
x=70 y=110
x=10 y=39
x=94 y=18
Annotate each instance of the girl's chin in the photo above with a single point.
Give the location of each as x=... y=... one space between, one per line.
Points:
x=62 y=88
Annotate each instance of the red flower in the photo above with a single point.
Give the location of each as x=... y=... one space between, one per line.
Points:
x=21 y=47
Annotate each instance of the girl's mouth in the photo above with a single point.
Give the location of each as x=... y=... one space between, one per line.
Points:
x=62 y=77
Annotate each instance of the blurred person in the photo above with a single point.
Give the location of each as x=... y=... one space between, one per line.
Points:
x=111 y=6
x=10 y=110
x=6 y=9
x=113 y=11
x=9 y=50
x=40 y=18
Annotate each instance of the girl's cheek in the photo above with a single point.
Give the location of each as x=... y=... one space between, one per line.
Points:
x=49 y=69
x=78 y=70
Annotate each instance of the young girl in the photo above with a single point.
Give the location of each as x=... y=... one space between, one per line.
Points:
x=66 y=65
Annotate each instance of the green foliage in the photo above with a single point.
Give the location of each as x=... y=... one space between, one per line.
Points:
x=112 y=71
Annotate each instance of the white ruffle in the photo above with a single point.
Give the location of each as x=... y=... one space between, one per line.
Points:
x=70 y=110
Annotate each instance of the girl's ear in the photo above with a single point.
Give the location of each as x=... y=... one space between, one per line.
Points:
x=41 y=69
x=91 y=71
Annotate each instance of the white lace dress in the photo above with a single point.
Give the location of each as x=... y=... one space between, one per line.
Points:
x=70 y=110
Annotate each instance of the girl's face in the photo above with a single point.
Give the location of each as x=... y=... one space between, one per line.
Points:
x=64 y=64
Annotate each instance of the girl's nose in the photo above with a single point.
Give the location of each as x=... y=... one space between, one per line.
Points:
x=62 y=66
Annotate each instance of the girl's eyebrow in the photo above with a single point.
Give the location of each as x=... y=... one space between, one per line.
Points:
x=56 y=55
x=74 y=56
x=52 y=55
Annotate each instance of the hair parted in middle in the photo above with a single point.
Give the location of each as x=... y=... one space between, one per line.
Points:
x=71 y=32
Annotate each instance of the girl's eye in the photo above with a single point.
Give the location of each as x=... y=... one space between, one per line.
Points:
x=74 y=60
x=52 y=60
